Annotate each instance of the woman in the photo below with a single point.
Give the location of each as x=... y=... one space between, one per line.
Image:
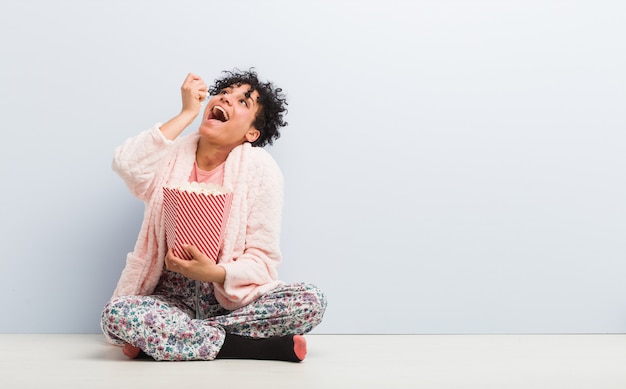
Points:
x=174 y=309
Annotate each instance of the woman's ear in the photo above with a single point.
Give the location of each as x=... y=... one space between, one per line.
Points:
x=252 y=135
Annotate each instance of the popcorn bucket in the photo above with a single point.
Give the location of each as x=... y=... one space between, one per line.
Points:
x=196 y=215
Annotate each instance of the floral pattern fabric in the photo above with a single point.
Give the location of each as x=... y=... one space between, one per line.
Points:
x=184 y=321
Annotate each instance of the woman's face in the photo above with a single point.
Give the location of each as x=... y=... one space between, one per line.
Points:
x=229 y=116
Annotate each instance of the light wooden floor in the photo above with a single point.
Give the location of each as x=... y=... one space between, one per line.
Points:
x=333 y=361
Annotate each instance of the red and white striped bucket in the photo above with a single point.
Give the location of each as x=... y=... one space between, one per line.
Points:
x=196 y=219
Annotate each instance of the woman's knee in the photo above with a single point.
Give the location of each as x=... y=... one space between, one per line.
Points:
x=114 y=308
x=316 y=302
x=110 y=319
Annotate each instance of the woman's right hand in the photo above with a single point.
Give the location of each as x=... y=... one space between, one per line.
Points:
x=193 y=92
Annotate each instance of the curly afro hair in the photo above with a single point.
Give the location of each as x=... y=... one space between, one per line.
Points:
x=271 y=99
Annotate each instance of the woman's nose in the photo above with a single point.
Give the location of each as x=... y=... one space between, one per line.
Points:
x=225 y=98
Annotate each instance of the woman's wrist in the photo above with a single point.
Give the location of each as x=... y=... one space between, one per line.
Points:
x=216 y=274
x=176 y=125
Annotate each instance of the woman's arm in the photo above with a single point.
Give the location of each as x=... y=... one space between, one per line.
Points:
x=193 y=92
x=139 y=158
x=258 y=264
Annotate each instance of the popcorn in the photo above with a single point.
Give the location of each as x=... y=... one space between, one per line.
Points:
x=196 y=214
x=200 y=187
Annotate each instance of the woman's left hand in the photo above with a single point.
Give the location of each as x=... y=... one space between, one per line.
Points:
x=199 y=267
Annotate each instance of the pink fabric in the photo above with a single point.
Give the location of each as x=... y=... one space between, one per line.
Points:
x=215 y=176
x=250 y=252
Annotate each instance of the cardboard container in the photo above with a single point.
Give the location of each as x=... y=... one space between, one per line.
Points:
x=195 y=218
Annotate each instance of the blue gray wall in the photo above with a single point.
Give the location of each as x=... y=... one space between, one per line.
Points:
x=451 y=166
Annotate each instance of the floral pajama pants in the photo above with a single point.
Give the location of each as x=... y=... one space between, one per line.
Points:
x=184 y=321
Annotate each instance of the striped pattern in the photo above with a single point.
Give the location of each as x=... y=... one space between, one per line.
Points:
x=195 y=219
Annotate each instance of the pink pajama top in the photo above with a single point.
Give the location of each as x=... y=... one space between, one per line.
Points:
x=250 y=252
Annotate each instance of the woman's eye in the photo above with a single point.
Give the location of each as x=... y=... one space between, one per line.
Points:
x=224 y=92
x=244 y=102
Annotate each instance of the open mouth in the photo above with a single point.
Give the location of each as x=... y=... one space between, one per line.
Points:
x=219 y=113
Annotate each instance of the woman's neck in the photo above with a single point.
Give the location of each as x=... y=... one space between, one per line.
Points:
x=209 y=156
